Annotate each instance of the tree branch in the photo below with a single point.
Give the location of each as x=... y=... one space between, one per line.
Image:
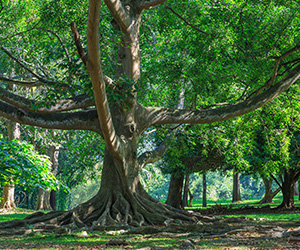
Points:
x=275 y=71
x=119 y=13
x=77 y=102
x=86 y=120
x=113 y=142
x=188 y=23
x=175 y=116
x=61 y=43
x=78 y=44
x=157 y=153
x=20 y=82
x=40 y=78
x=149 y=4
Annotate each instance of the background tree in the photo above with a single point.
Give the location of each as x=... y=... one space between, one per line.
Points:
x=237 y=44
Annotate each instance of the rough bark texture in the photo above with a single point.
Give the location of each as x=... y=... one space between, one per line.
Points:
x=175 y=191
x=236 y=194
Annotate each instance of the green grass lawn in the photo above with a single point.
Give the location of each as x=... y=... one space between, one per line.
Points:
x=252 y=202
x=100 y=240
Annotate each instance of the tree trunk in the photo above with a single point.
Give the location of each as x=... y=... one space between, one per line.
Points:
x=204 y=191
x=46 y=199
x=186 y=190
x=269 y=194
x=175 y=191
x=8 y=197
x=43 y=202
x=288 y=188
x=236 y=197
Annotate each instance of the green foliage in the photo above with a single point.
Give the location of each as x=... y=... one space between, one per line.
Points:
x=22 y=165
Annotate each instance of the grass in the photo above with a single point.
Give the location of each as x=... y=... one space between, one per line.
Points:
x=99 y=240
x=251 y=202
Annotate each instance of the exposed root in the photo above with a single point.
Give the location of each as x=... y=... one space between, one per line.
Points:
x=108 y=210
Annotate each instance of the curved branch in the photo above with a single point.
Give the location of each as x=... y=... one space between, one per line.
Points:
x=112 y=140
x=157 y=153
x=149 y=4
x=119 y=13
x=77 y=102
x=61 y=43
x=20 y=82
x=175 y=116
x=40 y=78
x=86 y=120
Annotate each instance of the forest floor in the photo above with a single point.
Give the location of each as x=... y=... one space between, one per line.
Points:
x=259 y=228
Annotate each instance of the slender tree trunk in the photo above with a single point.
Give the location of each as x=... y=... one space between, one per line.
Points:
x=299 y=188
x=186 y=190
x=236 y=197
x=204 y=191
x=46 y=198
x=175 y=191
x=269 y=194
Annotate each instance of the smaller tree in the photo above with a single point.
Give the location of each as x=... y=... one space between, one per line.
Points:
x=22 y=165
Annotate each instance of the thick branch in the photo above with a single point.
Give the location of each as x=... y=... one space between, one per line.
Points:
x=119 y=13
x=149 y=4
x=113 y=142
x=86 y=120
x=77 y=102
x=169 y=116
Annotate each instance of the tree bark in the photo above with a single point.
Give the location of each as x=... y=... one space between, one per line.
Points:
x=175 y=191
x=288 y=187
x=236 y=194
x=186 y=190
x=46 y=198
x=43 y=201
x=204 y=191
x=269 y=194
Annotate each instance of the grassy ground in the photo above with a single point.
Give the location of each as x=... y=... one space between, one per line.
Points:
x=115 y=240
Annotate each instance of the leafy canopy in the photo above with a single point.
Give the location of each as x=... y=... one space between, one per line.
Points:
x=20 y=163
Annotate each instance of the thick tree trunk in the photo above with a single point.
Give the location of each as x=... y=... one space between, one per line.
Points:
x=269 y=194
x=204 y=191
x=8 y=197
x=288 y=188
x=236 y=194
x=175 y=191
x=186 y=190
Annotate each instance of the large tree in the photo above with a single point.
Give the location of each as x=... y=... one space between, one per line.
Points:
x=114 y=112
